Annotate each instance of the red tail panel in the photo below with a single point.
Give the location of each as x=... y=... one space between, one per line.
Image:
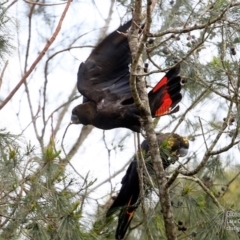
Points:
x=130 y=215
x=165 y=106
x=131 y=212
x=124 y=220
x=165 y=96
x=161 y=83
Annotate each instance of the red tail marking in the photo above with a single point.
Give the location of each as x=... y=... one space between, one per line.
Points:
x=130 y=214
x=129 y=201
x=165 y=106
x=161 y=83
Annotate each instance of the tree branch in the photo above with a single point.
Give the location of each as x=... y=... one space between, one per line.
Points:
x=39 y=57
x=141 y=100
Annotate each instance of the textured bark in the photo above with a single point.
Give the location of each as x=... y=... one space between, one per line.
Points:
x=140 y=96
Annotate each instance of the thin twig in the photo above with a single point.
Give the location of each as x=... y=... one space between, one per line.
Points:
x=110 y=177
x=205 y=142
x=39 y=57
x=64 y=134
x=2 y=73
x=203 y=186
x=44 y=4
x=208 y=152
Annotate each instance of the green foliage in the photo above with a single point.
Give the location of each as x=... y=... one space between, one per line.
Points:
x=217 y=63
x=42 y=202
x=5 y=33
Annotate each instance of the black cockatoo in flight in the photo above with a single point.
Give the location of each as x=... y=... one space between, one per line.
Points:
x=171 y=146
x=103 y=80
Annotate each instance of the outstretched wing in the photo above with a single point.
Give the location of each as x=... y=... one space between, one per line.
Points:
x=106 y=71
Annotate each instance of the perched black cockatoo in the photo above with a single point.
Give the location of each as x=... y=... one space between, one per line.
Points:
x=103 y=80
x=171 y=146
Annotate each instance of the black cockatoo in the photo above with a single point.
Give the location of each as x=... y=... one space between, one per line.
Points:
x=103 y=80
x=171 y=146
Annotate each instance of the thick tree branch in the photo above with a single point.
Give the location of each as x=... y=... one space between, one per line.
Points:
x=141 y=99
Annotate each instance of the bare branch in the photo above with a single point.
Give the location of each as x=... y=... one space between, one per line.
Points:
x=39 y=57
x=44 y=4
x=2 y=73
